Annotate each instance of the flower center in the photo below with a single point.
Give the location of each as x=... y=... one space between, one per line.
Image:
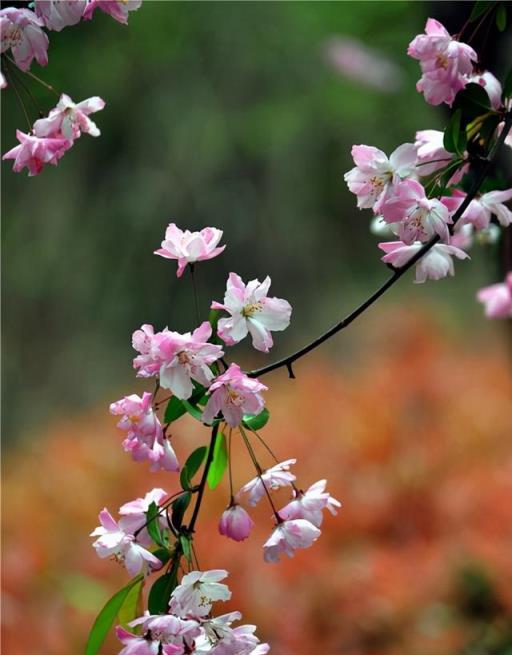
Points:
x=441 y=61
x=12 y=37
x=234 y=397
x=251 y=309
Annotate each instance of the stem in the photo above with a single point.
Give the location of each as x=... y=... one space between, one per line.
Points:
x=161 y=509
x=196 y=301
x=34 y=77
x=345 y=322
x=202 y=484
x=12 y=82
x=265 y=444
x=231 y=496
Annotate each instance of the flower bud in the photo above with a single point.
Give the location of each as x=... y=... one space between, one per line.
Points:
x=235 y=523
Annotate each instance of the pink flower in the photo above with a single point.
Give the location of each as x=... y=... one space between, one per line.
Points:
x=33 y=152
x=193 y=598
x=168 y=630
x=21 y=31
x=177 y=358
x=491 y=85
x=114 y=542
x=236 y=641
x=133 y=515
x=137 y=645
x=145 y=439
x=287 y=537
x=430 y=148
x=251 y=312
x=189 y=247
x=118 y=9
x=57 y=14
x=497 y=299
x=234 y=394
x=419 y=217
x=480 y=210
x=235 y=523
x=68 y=120
x=445 y=63
x=374 y=172
x=273 y=478
x=436 y=264
x=309 y=504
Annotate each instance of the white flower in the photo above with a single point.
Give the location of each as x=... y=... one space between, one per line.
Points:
x=287 y=537
x=194 y=596
x=273 y=478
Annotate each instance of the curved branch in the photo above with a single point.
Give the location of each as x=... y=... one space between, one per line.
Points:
x=345 y=322
x=202 y=484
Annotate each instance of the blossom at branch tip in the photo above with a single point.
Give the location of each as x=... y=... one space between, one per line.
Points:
x=193 y=598
x=491 y=85
x=235 y=523
x=446 y=64
x=113 y=541
x=168 y=630
x=374 y=172
x=273 y=478
x=309 y=504
x=251 y=312
x=21 y=32
x=145 y=439
x=480 y=210
x=497 y=299
x=176 y=358
x=234 y=394
x=34 y=152
x=140 y=645
x=57 y=14
x=118 y=9
x=434 y=265
x=69 y=120
x=133 y=515
x=432 y=155
x=190 y=247
x=418 y=217
x=289 y=536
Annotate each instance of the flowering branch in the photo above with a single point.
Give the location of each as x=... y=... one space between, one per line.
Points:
x=202 y=484
x=398 y=273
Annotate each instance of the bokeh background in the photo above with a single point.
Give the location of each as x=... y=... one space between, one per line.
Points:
x=242 y=115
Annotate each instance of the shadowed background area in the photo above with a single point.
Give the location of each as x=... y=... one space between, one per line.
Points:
x=242 y=116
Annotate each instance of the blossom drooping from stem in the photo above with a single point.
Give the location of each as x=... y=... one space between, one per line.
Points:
x=193 y=598
x=118 y=9
x=374 y=172
x=235 y=523
x=309 y=504
x=446 y=64
x=497 y=299
x=57 y=14
x=190 y=247
x=480 y=210
x=251 y=312
x=34 y=152
x=434 y=265
x=69 y=120
x=273 y=478
x=133 y=515
x=21 y=32
x=234 y=394
x=287 y=537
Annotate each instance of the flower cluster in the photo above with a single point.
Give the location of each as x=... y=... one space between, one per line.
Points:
x=189 y=626
x=23 y=35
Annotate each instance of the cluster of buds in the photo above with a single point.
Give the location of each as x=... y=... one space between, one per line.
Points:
x=23 y=35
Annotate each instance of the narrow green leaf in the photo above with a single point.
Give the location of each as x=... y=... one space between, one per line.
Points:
x=130 y=609
x=186 y=547
x=160 y=593
x=479 y=8
x=153 y=525
x=179 y=507
x=192 y=466
x=452 y=131
x=162 y=554
x=257 y=421
x=174 y=410
x=501 y=17
x=193 y=410
x=473 y=101
x=107 y=616
x=219 y=462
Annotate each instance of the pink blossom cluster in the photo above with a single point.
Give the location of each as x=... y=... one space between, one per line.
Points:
x=189 y=626
x=497 y=298
x=22 y=33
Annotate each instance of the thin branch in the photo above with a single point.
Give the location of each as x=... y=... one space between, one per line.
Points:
x=202 y=484
x=345 y=322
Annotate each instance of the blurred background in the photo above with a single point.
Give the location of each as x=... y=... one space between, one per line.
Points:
x=242 y=116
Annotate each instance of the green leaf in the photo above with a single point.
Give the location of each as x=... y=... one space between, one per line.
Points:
x=153 y=525
x=507 y=85
x=107 y=616
x=186 y=547
x=193 y=410
x=160 y=593
x=130 y=609
x=162 y=554
x=219 y=461
x=479 y=8
x=501 y=17
x=213 y=318
x=179 y=507
x=257 y=421
x=473 y=101
x=174 y=410
x=192 y=466
x=452 y=132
